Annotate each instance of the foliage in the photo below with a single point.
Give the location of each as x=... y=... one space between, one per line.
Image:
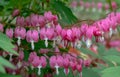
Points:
x=108 y=64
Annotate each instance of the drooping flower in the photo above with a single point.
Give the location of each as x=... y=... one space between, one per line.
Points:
x=87 y=63
x=66 y=64
x=32 y=36
x=20 y=21
x=31 y=56
x=114 y=5
x=47 y=34
x=20 y=33
x=34 y=20
x=99 y=6
x=9 y=32
x=39 y=62
x=16 y=12
x=56 y=62
x=48 y=16
x=20 y=58
x=41 y=21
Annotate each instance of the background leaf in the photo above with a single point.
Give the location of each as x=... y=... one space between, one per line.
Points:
x=65 y=14
x=2 y=70
x=6 y=63
x=5 y=44
x=111 y=72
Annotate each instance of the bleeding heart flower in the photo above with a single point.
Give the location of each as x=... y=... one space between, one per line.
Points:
x=16 y=12
x=9 y=32
x=31 y=56
x=114 y=5
x=32 y=36
x=56 y=62
x=87 y=63
x=20 y=21
x=34 y=20
x=20 y=33
x=41 y=21
x=47 y=34
x=99 y=5
x=58 y=29
x=66 y=63
x=48 y=16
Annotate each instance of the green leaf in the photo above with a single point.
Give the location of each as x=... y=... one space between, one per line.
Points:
x=2 y=70
x=111 y=72
x=88 y=72
x=8 y=75
x=6 y=63
x=112 y=51
x=5 y=44
x=26 y=55
x=101 y=49
x=113 y=58
x=65 y=13
x=87 y=51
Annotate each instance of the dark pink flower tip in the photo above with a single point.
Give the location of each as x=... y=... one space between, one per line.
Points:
x=16 y=12
x=87 y=63
x=79 y=68
x=73 y=65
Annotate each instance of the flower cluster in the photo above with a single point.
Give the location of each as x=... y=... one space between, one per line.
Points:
x=47 y=28
x=65 y=61
x=94 y=6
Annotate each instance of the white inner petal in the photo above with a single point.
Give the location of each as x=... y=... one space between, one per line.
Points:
x=39 y=69
x=19 y=41
x=57 y=71
x=32 y=45
x=88 y=43
x=46 y=42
